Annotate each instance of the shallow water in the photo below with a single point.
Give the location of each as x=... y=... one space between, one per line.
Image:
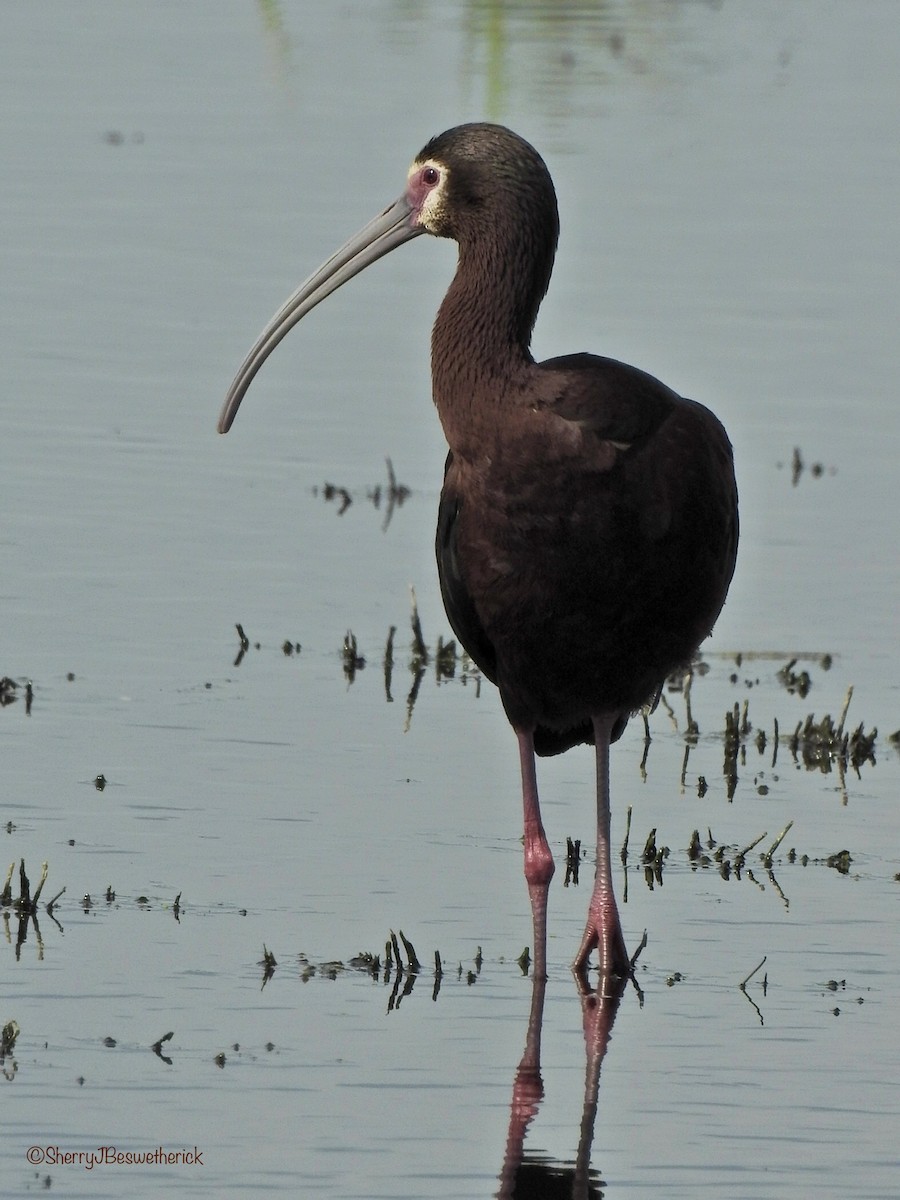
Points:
x=727 y=178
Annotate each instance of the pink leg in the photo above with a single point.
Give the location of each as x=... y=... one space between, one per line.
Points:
x=603 y=931
x=539 y=865
x=538 y=858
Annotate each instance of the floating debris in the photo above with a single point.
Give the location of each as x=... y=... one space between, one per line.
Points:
x=653 y=857
x=419 y=649
x=573 y=861
x=352 y=659
x=743 y=986
x=445 y=660
x=389 y=664
x=244 y=644
x=623 y=853
x=393 y=494
x=268 y=962
x=419 y=659
x=396 y=493
x=737 y=728
x=413 y=963
x=822 y=743
x=840 y=861
x=25 y=905
x=798 y=466
x=797 y=683
x=367 y=962
x=343 y=497
x=158 y=1045
x=400 y=970
x=767 y=859
x=8 y=1037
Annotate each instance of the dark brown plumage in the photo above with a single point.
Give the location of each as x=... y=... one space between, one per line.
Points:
x=588 y=524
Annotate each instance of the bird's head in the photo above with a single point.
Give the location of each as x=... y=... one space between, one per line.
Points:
x=481 y=180
x=480 y=184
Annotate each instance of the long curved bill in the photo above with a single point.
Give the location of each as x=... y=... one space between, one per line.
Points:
x=387 y=231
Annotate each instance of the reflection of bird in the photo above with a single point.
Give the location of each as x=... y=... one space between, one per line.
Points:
x=587 y=528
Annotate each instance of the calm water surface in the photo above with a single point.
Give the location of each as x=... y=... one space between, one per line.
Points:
x=728 y=178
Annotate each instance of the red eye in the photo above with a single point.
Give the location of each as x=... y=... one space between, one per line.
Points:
x=430 y=176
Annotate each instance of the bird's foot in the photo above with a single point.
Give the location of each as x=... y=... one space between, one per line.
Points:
x=603 y=933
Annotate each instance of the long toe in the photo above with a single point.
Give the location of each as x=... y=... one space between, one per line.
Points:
x=603 y=933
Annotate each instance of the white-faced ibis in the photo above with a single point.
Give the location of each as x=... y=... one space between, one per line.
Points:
x=588 y=526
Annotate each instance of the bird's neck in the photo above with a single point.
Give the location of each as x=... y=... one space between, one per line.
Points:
x=480 y=356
